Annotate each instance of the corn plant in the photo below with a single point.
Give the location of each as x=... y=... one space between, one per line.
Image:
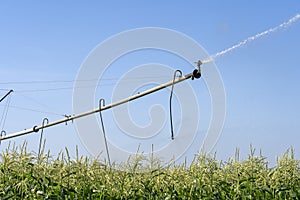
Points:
x=26 y=175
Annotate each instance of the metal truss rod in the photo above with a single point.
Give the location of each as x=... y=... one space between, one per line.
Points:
x=10 y=91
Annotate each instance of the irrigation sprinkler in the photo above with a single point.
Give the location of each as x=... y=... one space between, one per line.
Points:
x=195 y=74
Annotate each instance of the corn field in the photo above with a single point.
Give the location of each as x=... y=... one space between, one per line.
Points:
x=24 y=175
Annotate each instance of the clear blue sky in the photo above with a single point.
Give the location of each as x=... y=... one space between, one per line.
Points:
x=50 y=40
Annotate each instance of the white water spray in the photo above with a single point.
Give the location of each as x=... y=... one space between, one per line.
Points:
x=250 y=39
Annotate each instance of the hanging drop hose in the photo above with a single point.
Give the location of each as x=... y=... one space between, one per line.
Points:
x=45 y=121
x=196 y=74
x=103 y=130
x=170 y=102
x=3 y=133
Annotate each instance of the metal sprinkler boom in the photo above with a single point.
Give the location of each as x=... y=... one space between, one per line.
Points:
x=195 y=74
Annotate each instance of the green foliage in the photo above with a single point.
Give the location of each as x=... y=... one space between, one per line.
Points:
x=24 y=175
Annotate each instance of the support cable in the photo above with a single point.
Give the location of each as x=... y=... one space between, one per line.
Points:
x=72 y=81
x=35 y=101
x=34 y=110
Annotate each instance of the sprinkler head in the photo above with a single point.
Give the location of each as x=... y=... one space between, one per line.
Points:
x=196 y=73
x=199 y=63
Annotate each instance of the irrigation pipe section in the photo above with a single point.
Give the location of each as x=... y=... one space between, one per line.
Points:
x=195 y=74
